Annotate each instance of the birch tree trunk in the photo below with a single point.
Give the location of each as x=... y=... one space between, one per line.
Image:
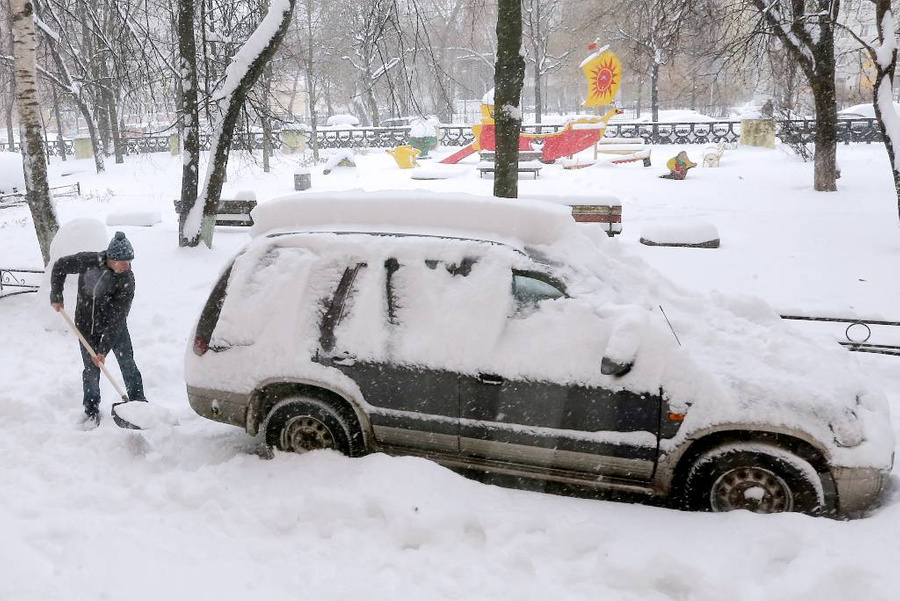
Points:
x=34 y=154
x=885 y=59
x=509 y=75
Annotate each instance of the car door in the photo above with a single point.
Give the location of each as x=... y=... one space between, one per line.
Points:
x=541 y=401
x=409 y=407
x=398 y=330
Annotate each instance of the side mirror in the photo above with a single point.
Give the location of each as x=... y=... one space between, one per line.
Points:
x=608 y=367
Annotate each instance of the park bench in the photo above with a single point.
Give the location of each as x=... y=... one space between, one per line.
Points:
x=609 y=216
x=16 y=198
x=231 y=212
x=604 y=210
x=529 y=162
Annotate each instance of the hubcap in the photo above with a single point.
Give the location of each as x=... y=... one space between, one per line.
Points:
x=752 y=488
x=304 y=433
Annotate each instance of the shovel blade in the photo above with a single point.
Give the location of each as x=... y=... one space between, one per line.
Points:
x=120 y=421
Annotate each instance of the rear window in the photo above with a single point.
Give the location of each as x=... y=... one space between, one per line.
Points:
x=263 y=292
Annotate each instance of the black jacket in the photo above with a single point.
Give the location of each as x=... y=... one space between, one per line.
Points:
x=104 y=297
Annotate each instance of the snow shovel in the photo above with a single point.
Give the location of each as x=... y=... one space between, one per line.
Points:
x=122 y=423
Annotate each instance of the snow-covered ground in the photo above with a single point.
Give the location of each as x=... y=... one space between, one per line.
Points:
x=194 y=511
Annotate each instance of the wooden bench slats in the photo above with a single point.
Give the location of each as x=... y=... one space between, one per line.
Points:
x=230 y=212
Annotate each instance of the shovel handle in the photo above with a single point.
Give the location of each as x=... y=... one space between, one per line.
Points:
x=90 y=350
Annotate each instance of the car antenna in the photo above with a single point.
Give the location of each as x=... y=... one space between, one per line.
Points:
x=670 y=325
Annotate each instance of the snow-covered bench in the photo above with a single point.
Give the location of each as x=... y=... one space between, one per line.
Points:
x=231 y=212
x=529 y=162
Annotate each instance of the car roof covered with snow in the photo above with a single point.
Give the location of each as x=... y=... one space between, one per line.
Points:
x=515 y=222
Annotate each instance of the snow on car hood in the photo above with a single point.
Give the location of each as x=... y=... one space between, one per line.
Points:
x=738 y=362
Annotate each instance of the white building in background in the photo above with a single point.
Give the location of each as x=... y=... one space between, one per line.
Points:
x=854 y=72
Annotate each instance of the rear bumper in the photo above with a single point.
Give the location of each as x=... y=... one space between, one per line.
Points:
x=858 y=488
x=225 y=407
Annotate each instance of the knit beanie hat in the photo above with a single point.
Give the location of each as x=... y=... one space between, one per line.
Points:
x=119 y=248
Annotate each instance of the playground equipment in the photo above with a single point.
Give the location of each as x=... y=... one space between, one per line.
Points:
x=405 y=156
x=603 y=72
x=678 y=166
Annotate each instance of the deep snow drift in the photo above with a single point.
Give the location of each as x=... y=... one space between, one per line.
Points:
x=194 y=511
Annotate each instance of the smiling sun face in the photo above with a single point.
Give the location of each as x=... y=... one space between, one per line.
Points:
x=603 y=73
x=605 y=77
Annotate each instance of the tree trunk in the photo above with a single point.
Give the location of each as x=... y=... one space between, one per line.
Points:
x=654 y=92
x=311 y=90
x=538 y=62
x=34 y=155
x=114 y=125
x=266 y=141
x=190 y=151
x=825 y=170
x=509 y=75
x=60 y=143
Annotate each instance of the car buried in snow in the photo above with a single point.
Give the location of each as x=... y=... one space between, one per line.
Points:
x=503 y=337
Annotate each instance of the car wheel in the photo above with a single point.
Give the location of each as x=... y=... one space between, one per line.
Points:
x=301 y=425
x=758 y=477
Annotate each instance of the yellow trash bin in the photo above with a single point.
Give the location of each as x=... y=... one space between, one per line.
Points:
x=405 y=156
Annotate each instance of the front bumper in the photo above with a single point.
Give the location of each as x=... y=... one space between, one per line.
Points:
x=858 y=488
x=220 y=406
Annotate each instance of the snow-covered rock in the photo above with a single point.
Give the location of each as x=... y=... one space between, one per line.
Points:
x=681 y=232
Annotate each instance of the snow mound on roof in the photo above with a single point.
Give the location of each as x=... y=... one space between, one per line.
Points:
x=512 y=221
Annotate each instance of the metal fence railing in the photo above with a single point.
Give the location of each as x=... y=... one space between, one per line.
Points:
x=19 y=281
x=849 y=131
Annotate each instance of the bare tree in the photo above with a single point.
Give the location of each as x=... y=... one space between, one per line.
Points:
x=245 y=69
x=34 y=153
x=541 y=20
x=806 y=29
x=654 y=29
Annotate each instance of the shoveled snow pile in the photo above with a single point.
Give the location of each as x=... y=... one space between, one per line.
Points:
x=683 y=231
x=75 y=236
x=12 y=176
x=140 y=218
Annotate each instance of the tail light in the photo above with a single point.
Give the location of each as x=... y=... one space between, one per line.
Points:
x=209 y=317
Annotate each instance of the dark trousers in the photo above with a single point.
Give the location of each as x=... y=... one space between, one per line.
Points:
x=90 y=377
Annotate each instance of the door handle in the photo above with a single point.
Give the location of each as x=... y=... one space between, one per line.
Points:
x=345 y=360
x=490 y=380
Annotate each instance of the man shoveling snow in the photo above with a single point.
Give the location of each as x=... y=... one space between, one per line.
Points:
x=105 y=292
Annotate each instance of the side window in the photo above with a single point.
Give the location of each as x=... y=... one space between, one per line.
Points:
x=336 y=309
x=254 y=299
x=446 y=313
x=529 y=289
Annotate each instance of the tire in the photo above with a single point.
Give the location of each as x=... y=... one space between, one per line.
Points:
x=302 y=424
x=758 y=477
